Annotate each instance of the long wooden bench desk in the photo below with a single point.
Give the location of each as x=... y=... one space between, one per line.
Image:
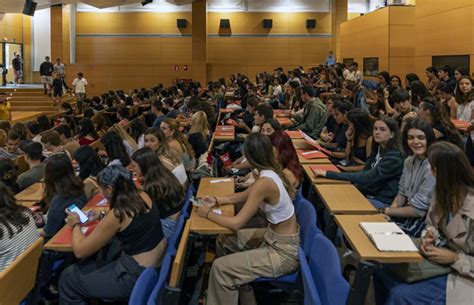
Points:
x=344 y=199
x=320 y=180
x=31 y=194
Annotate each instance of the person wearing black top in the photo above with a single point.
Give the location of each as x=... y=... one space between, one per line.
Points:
x=134 y=221
x=46 y=72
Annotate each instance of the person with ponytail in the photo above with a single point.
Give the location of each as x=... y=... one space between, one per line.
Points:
x=161 y=185
x=134 y=221
x=253 y=253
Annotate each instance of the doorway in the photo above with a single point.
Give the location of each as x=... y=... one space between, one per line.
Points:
x=8 y=52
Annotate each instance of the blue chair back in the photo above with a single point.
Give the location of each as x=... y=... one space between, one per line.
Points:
x=187 y=201
x=143 y=287
x=326 y=270
x=306 y=216
x=174 y=239
x=311 y=296
x=156 y=296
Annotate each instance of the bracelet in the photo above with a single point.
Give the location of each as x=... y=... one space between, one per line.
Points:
x=381 y=210
x=217 y=202
x=76 y=224
x=207 y=214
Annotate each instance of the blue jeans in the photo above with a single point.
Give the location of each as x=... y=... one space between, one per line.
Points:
x=169 y=226
x=378 y=204
x=391 y=291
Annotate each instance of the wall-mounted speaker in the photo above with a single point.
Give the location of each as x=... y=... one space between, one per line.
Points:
x=225 y=24
x=310 y=23
x=181 y=23
x=29 y=7
x=267 y=23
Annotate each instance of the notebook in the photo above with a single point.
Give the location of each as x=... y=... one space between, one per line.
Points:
x=312 y=154
x=326 y=167
x=294 y=134
x=387 y=236
x=460 y=124
x=314 y=143
x=284 y=121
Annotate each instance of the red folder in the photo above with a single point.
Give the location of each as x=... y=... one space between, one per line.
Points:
x=284 y=121
x=460 y=124
x=311 y=154
x=226 y=110
x=224 y=133
x=294 y=134
x=93 y=203
x=314 y=143
x=232 y=122
x=225 y=128
x=326 y=167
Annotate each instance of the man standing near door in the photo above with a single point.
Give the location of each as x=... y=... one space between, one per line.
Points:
x=60 y=70
x=17 y=68
x=46 y=72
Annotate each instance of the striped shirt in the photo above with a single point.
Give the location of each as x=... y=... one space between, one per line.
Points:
x=11 y=248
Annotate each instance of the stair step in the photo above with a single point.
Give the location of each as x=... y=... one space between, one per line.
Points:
x=33 y=108
x=13 y=90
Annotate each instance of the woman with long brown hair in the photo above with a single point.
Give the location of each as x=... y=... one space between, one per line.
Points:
x=273 y=251
x=448 y=239
x=178 y=142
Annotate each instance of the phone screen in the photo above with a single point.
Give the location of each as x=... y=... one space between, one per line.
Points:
x=82 y=217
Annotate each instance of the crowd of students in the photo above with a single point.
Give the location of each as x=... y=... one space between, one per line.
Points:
x=395 y=141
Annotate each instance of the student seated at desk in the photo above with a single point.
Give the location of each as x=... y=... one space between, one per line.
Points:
x=359 y=140
x=8 y=174
x=287 y=157
x=270 y=126
x=155 y=140
x=66 y=138
x=379 y=178
x=178 y=143
x=52 y=145
x=314 y=114
x=87 y=132
x=199 y=133
x=90 y=165
x=253 y=253
x=62 y=189
x=115 y=149
x=134 y=220
x=161 y=185
x=17 y=228
x=12 y=149
x=35 y=173
x=448 y=238
x=24 y=133
x=417 y=183
x=333 y=135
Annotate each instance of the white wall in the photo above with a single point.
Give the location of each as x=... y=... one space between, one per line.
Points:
x=41 y=37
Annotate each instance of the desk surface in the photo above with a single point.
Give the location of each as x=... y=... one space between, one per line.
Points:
x=33 y=193
x=215 y=187
x=362 y=244
x=301 y=144
x=320 y=180
x=344 y=199
x=208 y=187
x=204 y=226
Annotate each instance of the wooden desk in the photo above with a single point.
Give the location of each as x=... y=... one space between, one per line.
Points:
x=320 y=180
x=204 y=226
x=302 y=160
x=210 y=187
x=32 y=194
x=344 y=199
x=362 y=244
x=301 y=144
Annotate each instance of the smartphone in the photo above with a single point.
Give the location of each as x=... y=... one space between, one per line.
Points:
x=74 y=209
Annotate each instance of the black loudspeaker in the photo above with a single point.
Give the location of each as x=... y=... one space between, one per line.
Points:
x=29 y=8
x=225 y=24
x=267 y=23
x=182 y=23
x=147 y=2
x=310 y=23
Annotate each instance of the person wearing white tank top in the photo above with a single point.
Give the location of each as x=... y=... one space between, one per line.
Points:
x=253 y=253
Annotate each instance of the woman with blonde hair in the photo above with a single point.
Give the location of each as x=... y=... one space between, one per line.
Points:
x=128 y=141
x=155 y=140
x=199 y=133
x=178 y=143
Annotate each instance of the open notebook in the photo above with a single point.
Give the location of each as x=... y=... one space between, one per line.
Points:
x=387 y=236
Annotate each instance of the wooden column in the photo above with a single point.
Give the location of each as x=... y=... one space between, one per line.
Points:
x=56 y=33
x=199 y=42
x=338 y=16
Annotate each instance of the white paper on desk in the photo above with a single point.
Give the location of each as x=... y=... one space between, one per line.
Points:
x=220 y=180
x=387 y=236
x=84 y=230
x=217 y=211
x=102 y=203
